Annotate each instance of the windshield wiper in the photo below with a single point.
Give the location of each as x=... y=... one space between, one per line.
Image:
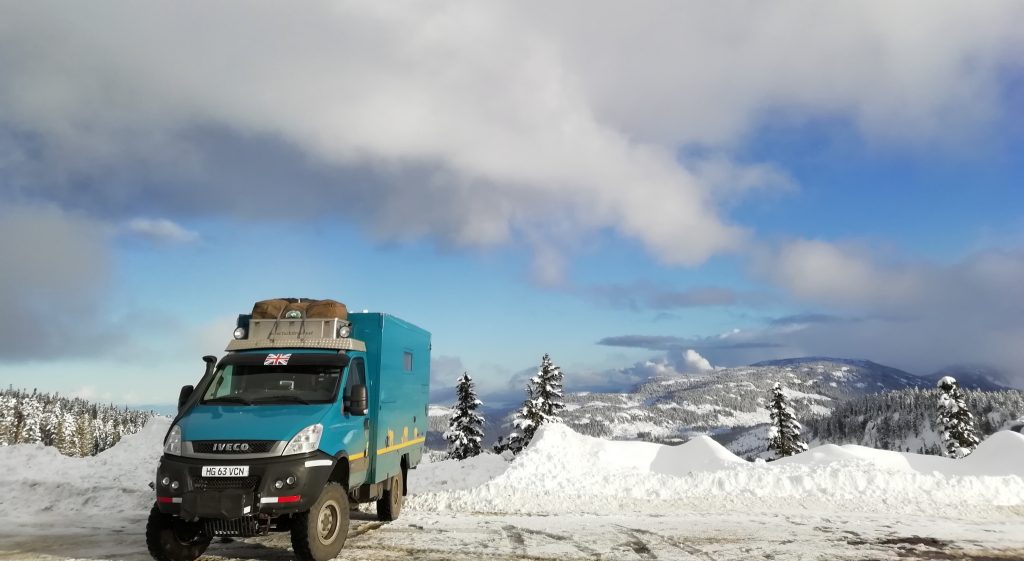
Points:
x=228 y=399
x=272 y=398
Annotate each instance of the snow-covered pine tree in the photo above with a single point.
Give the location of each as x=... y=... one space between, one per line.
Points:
x=465 y=428
x=32 y=410
x=956 y=423
x=543 y=405
x=525 y=422
x=548 y=390
x=7 y=419
x=500 y=446
x=784 y=433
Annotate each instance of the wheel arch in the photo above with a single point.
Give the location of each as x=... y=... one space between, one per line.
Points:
x=340 y=473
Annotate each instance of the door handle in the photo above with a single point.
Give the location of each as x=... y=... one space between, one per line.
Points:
x=366 y=424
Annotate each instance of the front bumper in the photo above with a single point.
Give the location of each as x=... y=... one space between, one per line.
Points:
x=230 y=498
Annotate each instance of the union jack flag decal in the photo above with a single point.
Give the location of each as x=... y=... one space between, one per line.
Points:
x=274 y=360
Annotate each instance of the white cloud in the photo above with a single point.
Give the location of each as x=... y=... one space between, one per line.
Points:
x=473 y=123
x=161 y=230
x=672 y=363
x=820 y=271
x=919 y=316
x=692 y=362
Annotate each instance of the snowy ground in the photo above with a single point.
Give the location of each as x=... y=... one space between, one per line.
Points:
x=601 y=500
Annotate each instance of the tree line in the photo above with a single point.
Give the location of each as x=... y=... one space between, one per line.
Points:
x=889 y=420
x=945 y=412
x=74 y=426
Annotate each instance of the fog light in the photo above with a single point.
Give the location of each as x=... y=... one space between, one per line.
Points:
x=165 y=481
x=174 y=485
x=278 y=484
x=290 y=480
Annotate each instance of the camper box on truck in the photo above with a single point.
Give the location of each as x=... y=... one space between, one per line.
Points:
x=311 y=410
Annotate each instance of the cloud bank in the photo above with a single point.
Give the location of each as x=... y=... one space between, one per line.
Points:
x=478 y=124
x=916 y=316
x=471 y=123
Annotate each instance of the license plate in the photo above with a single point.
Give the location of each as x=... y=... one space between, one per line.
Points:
x=225 y=471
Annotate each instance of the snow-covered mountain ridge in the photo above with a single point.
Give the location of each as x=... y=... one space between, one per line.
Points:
x=716 y=402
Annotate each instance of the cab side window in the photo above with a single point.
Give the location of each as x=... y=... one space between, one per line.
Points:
x=356 y=376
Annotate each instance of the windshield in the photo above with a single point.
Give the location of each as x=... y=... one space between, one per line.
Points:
x=251 y=384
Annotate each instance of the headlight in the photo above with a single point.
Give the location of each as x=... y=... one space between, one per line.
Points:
x=308 y=440
x=173 y=443
x=239 y=333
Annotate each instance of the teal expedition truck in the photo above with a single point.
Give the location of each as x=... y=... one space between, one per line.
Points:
x=311 y=411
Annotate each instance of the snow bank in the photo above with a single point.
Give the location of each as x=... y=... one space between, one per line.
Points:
x=563 y=471
x=451 y=475
x=113 y=482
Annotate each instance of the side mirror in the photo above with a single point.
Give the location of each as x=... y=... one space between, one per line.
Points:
x=358 y=400
x=186 y=392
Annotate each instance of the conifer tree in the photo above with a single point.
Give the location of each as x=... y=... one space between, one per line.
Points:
x=465 y=429
x=525 y=423
x=784 y=433
x=548 y=391
x=543 y=404
x=956 y=423
x=500 y=446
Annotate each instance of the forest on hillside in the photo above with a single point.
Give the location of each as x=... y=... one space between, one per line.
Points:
x=904 y=420
x=75 y=426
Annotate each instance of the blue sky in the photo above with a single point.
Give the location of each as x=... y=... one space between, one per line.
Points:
x=663 y=179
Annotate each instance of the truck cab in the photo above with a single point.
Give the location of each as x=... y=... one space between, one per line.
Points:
x=311 y=411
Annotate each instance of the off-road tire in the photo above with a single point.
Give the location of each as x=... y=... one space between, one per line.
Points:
x=168 y=538
x=390 y=503
x=319 y=534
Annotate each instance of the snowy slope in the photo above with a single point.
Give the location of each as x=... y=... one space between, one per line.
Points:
x=975 y=377
x=113 y=483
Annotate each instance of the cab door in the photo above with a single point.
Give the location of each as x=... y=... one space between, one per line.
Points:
x=358 y=446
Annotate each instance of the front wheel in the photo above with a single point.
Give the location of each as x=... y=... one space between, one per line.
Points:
x=389 y=505
x=170 y=538
x=319 y=534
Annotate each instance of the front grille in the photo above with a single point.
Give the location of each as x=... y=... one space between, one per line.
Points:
x=224 y=483
x=251 y=446
x=245 y=526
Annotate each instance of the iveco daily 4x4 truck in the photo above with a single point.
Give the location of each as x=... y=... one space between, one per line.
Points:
x=310 y=411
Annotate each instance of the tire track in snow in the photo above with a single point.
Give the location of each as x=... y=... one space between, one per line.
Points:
x=585 y=549
x=668 y=540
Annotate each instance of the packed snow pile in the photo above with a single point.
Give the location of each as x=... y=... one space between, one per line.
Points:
x=113 y=482
x=563 y=471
